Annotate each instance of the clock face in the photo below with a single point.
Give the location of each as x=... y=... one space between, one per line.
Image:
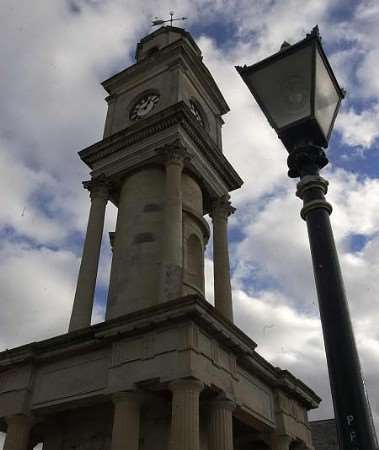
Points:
x=196 y=112
x=144 y=106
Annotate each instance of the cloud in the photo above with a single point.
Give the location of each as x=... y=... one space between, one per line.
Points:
x=37 y=291
x=355 y=63
x=274 y=289
x=359 y=129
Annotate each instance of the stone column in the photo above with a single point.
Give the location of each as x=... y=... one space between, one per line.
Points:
x=126 y=421
x=280 y=442
x=83 y=301
x=172 y=253
x=185 y=415
x=221 y=210
x=17 y=437
x=220 y=431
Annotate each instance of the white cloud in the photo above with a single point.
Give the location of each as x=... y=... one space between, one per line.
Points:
x=35 y=204
x=359 y=128
x=37 y=291
x=357 y=69
x=275 y=253
x=208 y=273
x=356 y=200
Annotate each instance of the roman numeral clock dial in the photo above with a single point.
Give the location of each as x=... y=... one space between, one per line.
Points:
x=144 y=106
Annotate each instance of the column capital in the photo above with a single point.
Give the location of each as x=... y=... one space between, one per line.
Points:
x=175 y=153
x=222 y=207
x=222 y=402
x=186 y=384
x=98 y=187
x=135 y=397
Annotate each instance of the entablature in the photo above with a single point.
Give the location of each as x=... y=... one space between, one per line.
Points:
x=137 y=145
x=186 y=335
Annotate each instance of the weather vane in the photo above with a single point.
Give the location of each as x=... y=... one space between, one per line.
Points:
x=157 y=21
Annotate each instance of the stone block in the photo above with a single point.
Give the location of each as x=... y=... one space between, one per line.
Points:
x=70 y=378
x=255 y=397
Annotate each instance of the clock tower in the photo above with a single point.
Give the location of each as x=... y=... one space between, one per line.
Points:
x=165 y=370
x=162 y=160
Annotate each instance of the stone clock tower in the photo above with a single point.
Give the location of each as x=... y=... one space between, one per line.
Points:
x=165 y=370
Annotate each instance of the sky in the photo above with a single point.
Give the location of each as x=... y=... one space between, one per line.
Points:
x=54 y=56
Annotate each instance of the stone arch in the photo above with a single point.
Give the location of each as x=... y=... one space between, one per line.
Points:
x=195 y=261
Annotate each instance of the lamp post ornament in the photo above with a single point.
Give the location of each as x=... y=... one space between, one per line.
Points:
x=300 y=96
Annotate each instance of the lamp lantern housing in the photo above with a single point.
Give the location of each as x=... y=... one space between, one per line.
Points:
x=297 y=91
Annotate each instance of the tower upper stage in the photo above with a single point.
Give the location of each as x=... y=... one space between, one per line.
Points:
x=167 y=95
x=163 y=37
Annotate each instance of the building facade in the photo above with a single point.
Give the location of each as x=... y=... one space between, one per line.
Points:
x=324 y=434
x=165 y=370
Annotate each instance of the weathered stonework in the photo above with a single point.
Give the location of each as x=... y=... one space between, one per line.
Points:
x=148 y=350
x=166 y=370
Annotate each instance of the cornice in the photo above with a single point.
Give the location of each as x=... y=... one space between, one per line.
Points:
x=170 y=54
x=191 y=307
x=203 y=74
x=178 y=114
x=289 y=383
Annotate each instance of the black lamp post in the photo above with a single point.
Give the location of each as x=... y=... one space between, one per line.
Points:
x=300 y=96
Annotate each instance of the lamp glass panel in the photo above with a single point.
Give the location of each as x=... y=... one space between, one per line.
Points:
x=326 y=96
x=284 y=87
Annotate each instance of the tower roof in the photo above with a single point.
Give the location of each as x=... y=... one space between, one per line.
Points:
x=164 y=44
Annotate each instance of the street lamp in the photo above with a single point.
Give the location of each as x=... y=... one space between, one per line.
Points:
x=300 y=96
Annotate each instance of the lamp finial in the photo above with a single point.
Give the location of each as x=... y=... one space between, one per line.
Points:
x=315 y=32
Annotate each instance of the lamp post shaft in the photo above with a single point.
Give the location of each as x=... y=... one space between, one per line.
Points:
x=352 y=411
x=303 y=117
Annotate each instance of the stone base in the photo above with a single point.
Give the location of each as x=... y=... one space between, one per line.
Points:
x=70 y=380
